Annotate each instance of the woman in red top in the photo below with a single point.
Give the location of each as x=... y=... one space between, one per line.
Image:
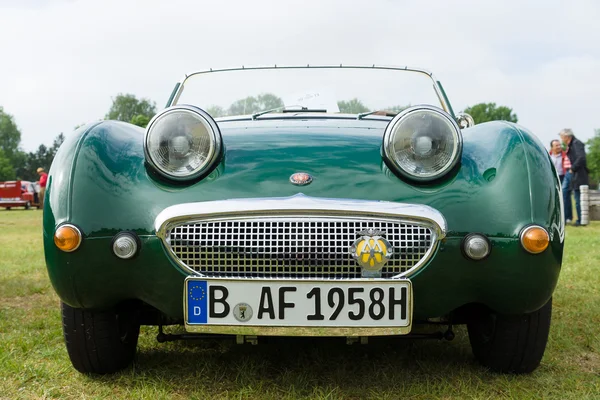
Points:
x=43 y=180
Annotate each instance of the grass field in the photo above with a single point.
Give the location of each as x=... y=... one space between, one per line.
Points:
x=34 y=363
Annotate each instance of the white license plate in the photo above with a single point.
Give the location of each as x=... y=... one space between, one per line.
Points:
x=366 y=303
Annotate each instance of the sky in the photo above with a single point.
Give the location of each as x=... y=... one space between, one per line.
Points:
x=64 y=60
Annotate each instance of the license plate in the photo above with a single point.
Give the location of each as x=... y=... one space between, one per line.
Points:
x=367 y=303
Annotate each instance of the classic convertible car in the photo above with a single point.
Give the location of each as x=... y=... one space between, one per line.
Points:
x=309 y=207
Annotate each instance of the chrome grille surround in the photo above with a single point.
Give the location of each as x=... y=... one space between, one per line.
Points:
x=297 y=237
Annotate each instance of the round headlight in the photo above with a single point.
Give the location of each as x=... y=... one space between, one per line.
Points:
x=182 y=142
x=423 y=143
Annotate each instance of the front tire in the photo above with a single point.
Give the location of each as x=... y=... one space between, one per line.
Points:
x=511 y=343
x=100 y=342
x=27 y=205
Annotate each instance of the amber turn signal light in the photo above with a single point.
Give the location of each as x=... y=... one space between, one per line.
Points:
x=535 y=239
x=67 y=238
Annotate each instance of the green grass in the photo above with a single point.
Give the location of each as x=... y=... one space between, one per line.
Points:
x=34 y=363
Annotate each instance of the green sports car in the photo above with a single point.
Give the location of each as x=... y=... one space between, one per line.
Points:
x=305 y=201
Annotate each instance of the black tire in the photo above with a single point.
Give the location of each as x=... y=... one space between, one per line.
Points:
x=100 y=342
x=27 y=205
x=511 y=343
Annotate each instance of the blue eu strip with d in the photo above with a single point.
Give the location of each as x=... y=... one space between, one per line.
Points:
x=197 y=293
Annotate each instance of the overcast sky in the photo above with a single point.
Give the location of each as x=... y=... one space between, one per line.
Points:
x=61 y=61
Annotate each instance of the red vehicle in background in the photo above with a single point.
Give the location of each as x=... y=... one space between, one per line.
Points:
x=18 y=194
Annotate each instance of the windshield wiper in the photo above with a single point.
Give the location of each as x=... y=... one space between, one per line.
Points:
x=287 y=109
x=383 y=112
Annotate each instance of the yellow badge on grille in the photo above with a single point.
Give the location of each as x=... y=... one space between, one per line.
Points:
x=371 y=251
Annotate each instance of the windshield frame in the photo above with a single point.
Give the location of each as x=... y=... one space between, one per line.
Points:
x=437 y=86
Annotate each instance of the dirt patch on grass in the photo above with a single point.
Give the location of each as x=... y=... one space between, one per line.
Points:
x=589 y=362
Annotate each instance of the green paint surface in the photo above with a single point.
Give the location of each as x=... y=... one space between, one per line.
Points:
x=505 y=181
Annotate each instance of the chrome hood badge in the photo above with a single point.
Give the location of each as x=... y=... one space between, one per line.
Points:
x=301 y=179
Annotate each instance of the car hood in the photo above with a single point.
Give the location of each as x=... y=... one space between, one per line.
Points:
x=112 y=188
x=260 y=158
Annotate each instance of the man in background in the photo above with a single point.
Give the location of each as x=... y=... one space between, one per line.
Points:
x=43 y=180
x=579 y=170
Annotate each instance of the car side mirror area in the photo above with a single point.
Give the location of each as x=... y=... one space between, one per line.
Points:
x=464 y=120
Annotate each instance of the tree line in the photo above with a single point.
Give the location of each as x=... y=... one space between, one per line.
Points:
x=18 y=164
x=269 y=101
x=15 y=163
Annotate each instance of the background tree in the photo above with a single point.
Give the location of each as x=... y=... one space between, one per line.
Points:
x=126 y=107
x=396 y=109
x=58 y=141
x=268 y=101
x=484 y=112
x=10 y=138
x=140 y=120
x=7 y=172
x=251 y=104
x=353 y=106
x=216 y=111
x=42 y=157
x=593 y=158
x=248 y=105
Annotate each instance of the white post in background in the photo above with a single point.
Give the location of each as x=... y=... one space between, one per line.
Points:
x=584 y=218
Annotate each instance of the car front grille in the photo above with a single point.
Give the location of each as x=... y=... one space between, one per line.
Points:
x=292 y=247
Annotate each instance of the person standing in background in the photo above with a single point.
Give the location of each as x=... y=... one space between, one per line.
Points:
x=579 y=170
x=558 y=158
x=563 y=166
x=43 y=180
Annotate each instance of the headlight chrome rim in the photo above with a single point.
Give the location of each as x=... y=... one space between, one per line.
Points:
x=214 y=135
x=388 y=143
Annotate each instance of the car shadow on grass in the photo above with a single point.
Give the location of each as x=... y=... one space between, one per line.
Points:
x=303 y=364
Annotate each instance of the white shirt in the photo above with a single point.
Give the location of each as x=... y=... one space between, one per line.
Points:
x=558 y=164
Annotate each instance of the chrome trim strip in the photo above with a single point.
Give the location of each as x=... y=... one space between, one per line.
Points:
x=301 y=205
x=436 y=88
x=299 y=330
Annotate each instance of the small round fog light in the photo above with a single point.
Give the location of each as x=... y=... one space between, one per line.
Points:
x=476 y=247
x=535 y=239
x=125 y=245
